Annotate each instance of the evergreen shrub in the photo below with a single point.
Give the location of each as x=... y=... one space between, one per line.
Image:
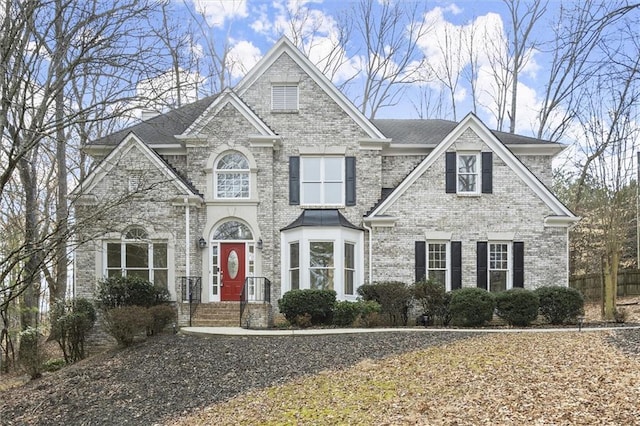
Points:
x=318 y=304
x=517 y=306
x=471 y=307
x=560 y=304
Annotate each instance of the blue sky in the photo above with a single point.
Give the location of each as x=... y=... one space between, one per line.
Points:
x=252 y=26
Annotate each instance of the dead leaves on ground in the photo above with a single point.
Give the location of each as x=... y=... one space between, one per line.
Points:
x=508 y=379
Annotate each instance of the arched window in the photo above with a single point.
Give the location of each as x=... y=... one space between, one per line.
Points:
x=232 y=176
x=232 y=230
x=137 y=255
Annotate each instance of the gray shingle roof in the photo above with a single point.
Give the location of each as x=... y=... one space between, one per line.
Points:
x=162 y=128
x=434 y=131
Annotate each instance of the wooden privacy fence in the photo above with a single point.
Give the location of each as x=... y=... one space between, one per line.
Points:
x=591 y=285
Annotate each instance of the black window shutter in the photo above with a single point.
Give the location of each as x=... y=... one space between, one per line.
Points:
x=421 y=260
x=482 y=264
x=518 y=264
x=350 y=181
x=456 y=265
x=487 y=172
x=450 y=172
x=294 y=181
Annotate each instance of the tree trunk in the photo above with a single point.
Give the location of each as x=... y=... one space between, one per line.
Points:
x=610 y=266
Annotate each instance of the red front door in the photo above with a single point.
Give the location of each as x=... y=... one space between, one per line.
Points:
x=232 y=270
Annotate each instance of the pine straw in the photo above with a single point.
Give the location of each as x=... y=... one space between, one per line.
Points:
x=507 y=379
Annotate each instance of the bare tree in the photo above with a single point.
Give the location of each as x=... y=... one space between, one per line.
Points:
x=388 y=34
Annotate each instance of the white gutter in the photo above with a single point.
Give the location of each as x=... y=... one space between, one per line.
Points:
x=370 y=231
x=187 y=237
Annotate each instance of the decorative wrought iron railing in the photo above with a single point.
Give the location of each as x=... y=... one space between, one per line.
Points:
x=191 y=292
x=255 y=290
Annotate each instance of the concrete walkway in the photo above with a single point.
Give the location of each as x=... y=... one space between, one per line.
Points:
x=237 y=331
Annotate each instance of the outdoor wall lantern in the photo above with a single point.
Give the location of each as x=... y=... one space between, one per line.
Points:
x=259 y=244
x=202 y=243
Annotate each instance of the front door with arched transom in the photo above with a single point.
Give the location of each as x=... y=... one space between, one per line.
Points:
x=232 y=270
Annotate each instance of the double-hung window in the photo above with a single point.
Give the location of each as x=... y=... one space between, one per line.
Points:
x=349 y=268
x=437 y=262
x=322 y=181
x=294 y=265
x=499 y=266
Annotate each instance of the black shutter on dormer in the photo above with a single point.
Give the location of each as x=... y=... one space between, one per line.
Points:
x=421 y=260
x=456 y=265
x=481 y=262
x=294 y=181
x=350 y=181
x=450 y=172
x=487 y=172
x=518 y=264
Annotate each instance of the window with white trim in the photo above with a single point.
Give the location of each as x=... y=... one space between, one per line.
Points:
x=437 y=261
x=468 y=173
x=322 y=181
x=135 y=255
x=321 y=265
x=349 y=268
x=498 y=270
x=284 y=97
x=232 y=176
x=294 y=265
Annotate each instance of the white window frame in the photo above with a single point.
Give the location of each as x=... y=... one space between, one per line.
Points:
x=477 y=173
x=246 y=175
x=123 y=268
x=346 y=269
x=323 y=181
x=287 y=100
x=291 y=268
x=338 y=236
x=447 y=270
x=509 y=262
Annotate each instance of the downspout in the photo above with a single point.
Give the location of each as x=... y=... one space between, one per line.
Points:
x=187 y=237
x=370 y=231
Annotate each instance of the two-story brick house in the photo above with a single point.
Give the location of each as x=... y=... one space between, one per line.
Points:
x=282 y=180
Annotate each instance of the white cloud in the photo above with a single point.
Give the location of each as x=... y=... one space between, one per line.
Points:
x=216 y=12
x=242 y=57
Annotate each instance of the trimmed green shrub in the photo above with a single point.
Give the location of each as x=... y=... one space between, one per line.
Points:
x=432 y=298
x=70 y=323
x=126 y=322
x=471 y=307
x=346 y=313
x=30 y=353
x=560 y=304
x=394 y=298
x=517 y=306
x=117 y=291
x=161 y=316
x=318 y=304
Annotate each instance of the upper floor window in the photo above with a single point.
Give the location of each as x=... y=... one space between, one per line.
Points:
x=232 y=176
x=322 y=180
x=284 y=97
x=468 y=173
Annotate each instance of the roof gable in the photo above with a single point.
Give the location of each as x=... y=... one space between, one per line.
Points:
x=285 y=46
x=126 y=145
x=227 y=97
x=489 y=138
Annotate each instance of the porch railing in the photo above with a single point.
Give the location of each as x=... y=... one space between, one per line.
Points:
x=254 y=290
x=191 y=292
